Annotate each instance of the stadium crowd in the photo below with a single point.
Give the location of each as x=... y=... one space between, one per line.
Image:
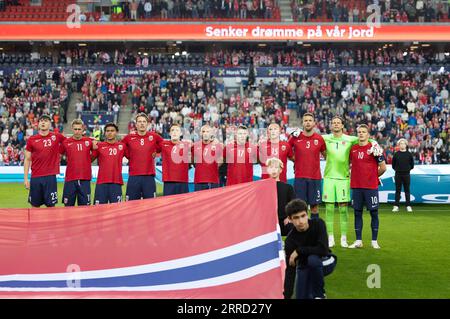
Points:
x=414 y=106
x=300 y=57
x=392 y=11
x=24 y=96
x=138 y=10
x=395 y=105
x=411 y=105
x=325 y=57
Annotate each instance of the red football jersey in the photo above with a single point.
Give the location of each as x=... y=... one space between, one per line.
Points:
x=176 y=159
x=281 y=150
x=45 y=156
x=110 y=158
x=364 y=172
x=307 y=151
x=78 y=154
x=140 y=151
x=206 y=159
x=240 y=160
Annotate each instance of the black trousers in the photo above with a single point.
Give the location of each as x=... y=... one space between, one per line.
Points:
x=402 y=180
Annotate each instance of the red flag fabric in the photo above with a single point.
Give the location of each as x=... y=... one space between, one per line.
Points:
x=220 y=243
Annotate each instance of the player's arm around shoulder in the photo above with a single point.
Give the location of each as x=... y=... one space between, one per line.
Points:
x=60 y=137
x=323 y=147
x=125 y=141
x=327 y=137
x=26 y=167
x=353 y=148
x=62 y=147
x=381 y=165
x=352 y=139
x=95 y=152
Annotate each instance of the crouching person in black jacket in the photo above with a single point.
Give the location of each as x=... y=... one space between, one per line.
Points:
x=307 y=254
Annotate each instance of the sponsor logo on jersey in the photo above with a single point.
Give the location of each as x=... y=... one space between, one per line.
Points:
x=68 y=144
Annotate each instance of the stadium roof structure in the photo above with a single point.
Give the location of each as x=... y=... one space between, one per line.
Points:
x=223 y=32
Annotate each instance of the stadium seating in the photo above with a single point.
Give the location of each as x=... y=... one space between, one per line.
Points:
x=49 y=11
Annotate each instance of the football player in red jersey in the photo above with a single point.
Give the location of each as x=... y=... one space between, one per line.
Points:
x=78 y=150
x=142 y=147
x=207 y=155
x=366 y=168
x=110 y=156
x=240 y=157
x=175 y=162
x=308 y=146
x=42 y=154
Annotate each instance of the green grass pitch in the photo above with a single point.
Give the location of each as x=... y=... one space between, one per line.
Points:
x=414 y=259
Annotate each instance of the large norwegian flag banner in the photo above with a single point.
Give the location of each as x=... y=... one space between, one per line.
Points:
x=221 y=243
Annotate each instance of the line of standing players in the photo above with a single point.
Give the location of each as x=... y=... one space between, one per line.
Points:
x=207 y=155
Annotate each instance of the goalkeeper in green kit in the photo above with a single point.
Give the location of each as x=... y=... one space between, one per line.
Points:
x=336 y=181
